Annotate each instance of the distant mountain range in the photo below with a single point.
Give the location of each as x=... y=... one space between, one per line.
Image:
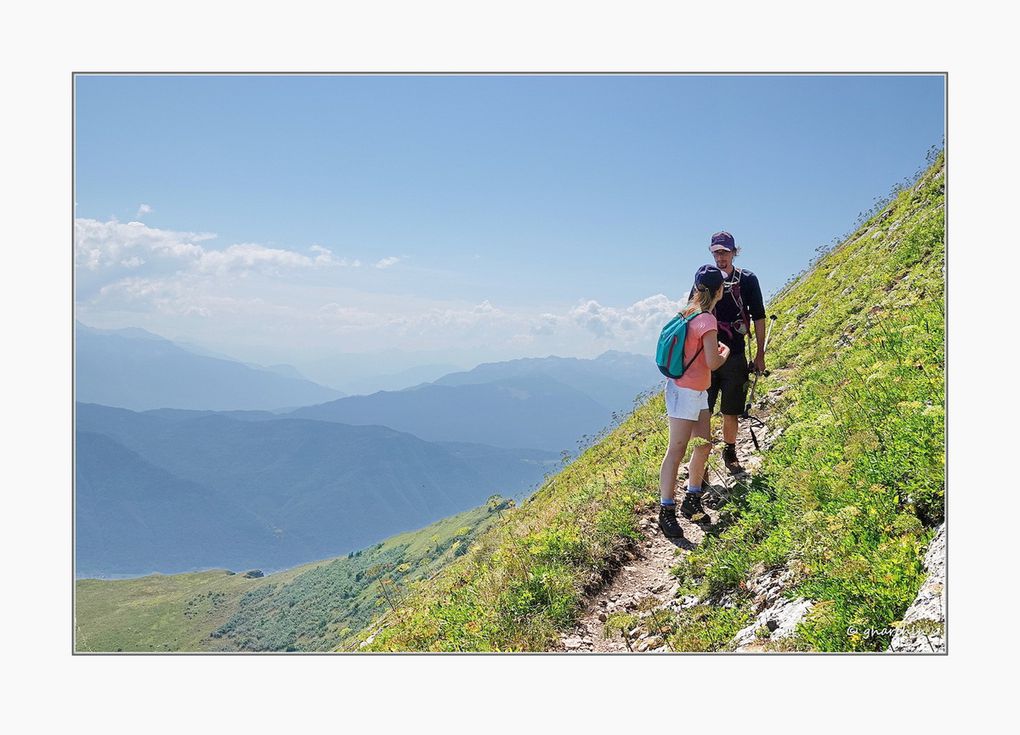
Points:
x=545 y=403
x=132 y=517
x=135 y=369
x=217 y=473
x=174 y=491
x=613 y=379
x=398 y=380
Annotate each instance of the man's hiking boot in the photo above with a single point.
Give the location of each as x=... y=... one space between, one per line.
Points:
x=729 y=458
x=691 y=507
x=668 y=523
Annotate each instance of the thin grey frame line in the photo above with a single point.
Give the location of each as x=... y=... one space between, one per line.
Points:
x=945 y=148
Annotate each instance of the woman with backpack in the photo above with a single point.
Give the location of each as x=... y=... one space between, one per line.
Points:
x=687 y=399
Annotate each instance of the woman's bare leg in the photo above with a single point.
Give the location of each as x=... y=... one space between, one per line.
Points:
x=679 y=437
x=699 y=455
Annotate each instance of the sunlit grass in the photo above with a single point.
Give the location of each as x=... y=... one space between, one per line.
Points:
x=846 y=496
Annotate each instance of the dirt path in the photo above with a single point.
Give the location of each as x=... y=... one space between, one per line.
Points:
x=644 y=583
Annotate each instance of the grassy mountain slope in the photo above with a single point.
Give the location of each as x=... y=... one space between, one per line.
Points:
x=847 y=497
x=318 y=606
x=856 y=480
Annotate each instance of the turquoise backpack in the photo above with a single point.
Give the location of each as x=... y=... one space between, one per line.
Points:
x=669 y=355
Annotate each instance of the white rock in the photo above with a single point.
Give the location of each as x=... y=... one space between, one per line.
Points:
x=781 y=619
x=923 y=627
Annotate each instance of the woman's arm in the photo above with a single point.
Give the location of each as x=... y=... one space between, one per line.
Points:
x=713 y=356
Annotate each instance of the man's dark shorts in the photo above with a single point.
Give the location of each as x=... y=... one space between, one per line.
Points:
x=731 y=378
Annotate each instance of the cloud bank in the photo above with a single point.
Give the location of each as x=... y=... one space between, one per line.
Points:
x=257 y=297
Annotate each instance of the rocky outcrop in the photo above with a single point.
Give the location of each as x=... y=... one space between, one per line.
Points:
x=774 y=623
x=922 y=629
x=778 y=616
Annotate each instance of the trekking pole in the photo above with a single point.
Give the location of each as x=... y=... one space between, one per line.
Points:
x=754 y=386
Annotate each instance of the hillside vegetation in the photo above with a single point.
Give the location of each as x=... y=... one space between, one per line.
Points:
x=315 y=607
x=847 y=497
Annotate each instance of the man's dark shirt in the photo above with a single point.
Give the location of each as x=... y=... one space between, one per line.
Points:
x=742 y=284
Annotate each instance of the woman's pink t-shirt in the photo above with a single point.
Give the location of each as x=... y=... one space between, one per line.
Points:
x=697 y=376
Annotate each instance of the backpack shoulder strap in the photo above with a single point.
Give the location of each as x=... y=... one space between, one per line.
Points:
x=691 y=362
x=697 y=352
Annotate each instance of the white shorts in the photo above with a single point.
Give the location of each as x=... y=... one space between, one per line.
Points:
x=684 y=403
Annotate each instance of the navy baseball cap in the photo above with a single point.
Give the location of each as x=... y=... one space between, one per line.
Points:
x=722 y=241
x=709 y=276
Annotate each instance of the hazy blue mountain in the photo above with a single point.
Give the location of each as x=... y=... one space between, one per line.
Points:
x=288 y=371
x=322 y=488
x=533 y=411
x=368 y=372
x=398 y=380
x=132 y=517
x=548 y=403
x=612 y=379
x=184 y=414
x=135 y=369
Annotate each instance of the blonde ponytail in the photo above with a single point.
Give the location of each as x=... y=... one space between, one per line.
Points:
x=701 y=301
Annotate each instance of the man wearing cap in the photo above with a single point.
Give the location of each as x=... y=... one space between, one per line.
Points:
x=740 y=305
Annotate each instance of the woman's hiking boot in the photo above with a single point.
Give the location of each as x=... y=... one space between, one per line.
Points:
x=668 y=522
x=691 y=507
x=729 y=458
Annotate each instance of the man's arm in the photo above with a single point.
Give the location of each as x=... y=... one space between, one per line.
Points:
x=759 y=336
x=756 y=307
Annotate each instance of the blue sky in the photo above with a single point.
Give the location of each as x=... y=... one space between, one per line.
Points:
x=291 y=219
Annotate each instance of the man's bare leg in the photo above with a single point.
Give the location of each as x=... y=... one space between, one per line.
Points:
x=730 y=438
x=729 y=429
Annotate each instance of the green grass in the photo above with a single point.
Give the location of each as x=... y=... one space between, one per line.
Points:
x=521 y=582
x=318 y=606
x=854 y=484
x=846 y=499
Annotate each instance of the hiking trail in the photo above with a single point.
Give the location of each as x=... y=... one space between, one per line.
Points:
x=643 y=584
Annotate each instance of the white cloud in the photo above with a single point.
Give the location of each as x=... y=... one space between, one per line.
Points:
x=133 y=268
x=545 y=325
x=629 y=323
x=248 y=257
x=105 y=252
x=164 y=296
x=143 y=209
x=272 y=298
x=324 y=256
x=105 y=245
